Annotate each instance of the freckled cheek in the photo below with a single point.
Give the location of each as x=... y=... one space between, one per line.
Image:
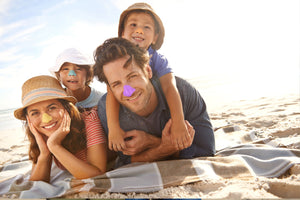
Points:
x=62 y=77
x=60 y=113
x=35 y=121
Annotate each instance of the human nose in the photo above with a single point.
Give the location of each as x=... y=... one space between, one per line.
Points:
x=46 y=118
x=139 y=30
x=72 y=73
x=128 y=90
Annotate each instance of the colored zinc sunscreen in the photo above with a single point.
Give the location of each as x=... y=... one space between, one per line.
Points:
x=46 y=118
x=128 y=90
x=72 y=73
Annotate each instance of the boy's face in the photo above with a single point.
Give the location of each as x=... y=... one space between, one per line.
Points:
x=139 y=28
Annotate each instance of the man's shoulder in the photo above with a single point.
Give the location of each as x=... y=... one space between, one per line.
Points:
x=183 y=84
x=102 y=105
x=180 y=83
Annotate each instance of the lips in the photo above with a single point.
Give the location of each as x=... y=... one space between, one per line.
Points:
x=134 y=97
x=139 y=39
x=50 y=126
x=72 y=81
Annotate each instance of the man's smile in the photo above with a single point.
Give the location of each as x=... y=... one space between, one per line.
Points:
x=134 y=97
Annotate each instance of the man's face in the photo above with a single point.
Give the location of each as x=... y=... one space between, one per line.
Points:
x=143 y=100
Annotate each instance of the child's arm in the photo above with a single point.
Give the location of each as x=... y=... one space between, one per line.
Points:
x=179 y=133
x=115 y=133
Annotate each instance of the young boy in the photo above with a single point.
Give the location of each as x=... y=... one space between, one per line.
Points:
x=140 y=25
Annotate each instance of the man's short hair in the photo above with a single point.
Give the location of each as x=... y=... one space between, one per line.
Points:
x=116 y=48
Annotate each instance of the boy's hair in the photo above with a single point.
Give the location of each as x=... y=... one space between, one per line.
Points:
x=115 y=48
x=143 y=7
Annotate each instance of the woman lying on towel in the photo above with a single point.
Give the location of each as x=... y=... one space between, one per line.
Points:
x=58 y=131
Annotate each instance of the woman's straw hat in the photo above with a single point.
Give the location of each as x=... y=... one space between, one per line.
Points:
x=145 y=7
x=41 y=88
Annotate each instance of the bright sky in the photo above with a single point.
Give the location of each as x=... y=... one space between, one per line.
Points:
x=254 y=44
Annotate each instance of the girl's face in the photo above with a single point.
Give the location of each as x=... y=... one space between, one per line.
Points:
x=139 y=28
x=46 y=116
x=72 y=76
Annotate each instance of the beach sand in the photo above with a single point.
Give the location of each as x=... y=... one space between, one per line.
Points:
x=275 y=117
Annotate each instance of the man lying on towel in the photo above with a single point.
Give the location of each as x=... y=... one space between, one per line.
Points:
x=144 y=113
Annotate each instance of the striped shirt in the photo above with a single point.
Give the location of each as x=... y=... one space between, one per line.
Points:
x=94 y=134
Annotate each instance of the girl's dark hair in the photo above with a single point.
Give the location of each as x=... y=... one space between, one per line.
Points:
x=73 y=142
x=115 y=48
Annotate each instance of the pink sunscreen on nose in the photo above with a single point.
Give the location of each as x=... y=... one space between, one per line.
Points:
x=128 y=90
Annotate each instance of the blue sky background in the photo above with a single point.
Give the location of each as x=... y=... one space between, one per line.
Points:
x=248 y=46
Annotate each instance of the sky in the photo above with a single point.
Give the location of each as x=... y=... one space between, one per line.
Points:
x=248 y=47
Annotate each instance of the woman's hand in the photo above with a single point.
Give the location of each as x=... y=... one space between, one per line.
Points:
x=63 y=130
x=40 y=139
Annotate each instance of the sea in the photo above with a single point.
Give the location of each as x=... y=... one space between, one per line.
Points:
x=8 y=121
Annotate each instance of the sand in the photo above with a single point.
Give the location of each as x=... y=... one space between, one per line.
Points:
x=275 y=117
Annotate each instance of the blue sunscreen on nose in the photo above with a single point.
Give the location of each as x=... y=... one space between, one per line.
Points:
x=128 y=90
x=72 y=73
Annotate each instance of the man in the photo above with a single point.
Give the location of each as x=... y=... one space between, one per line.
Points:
x=144 y=112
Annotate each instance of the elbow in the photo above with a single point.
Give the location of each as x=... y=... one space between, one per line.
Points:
x=89 y=175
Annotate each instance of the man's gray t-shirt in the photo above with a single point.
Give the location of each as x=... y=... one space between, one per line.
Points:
x=194 y=109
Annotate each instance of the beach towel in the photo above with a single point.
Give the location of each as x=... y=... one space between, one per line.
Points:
x=241 y=157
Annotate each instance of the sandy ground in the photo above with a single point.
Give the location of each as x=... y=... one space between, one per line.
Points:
x=278 y=118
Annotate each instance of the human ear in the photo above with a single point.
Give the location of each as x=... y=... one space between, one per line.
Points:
x=149 y=71
x=154 y=39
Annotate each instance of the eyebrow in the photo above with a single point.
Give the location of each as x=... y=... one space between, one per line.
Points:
x=46 y=107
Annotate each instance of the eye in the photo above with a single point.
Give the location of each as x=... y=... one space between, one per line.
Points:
x=64 y=69
x=132 y=25
x=132 y=76
x=52 y=108
x=115 y=85
x=34 y=113
x=78 y=69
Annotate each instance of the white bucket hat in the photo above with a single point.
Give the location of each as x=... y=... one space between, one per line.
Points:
x=70 y=55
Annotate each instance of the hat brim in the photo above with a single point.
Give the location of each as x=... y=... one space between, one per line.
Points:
x=19 y=113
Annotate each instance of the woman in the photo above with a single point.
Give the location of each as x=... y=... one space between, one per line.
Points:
x=58 y=131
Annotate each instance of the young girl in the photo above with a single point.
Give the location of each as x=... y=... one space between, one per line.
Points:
x=73 y=69
x=58 y=131
x=140 y=25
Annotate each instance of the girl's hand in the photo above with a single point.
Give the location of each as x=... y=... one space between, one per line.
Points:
x=57 y=136
x=41 y=141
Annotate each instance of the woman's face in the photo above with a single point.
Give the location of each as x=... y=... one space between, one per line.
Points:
x=46 y=116
x=72 y=76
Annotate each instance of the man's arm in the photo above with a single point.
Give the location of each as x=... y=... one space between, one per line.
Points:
x=160 y=148
x=196 y=113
